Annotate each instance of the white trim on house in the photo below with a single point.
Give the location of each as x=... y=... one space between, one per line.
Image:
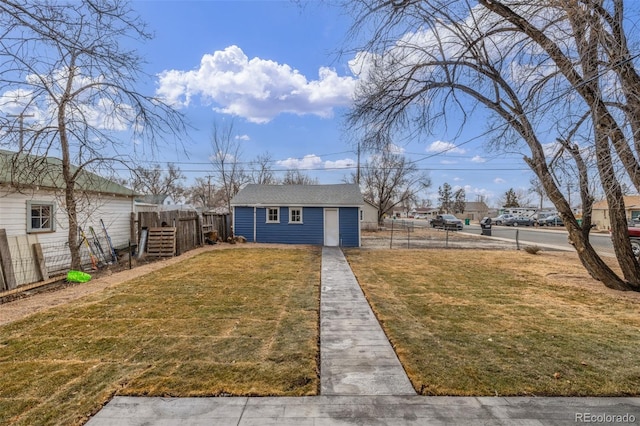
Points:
x=293 y=215
x=49 y=208
x=268 y=215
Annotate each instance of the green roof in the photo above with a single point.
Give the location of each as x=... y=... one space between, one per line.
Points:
x=26 y=170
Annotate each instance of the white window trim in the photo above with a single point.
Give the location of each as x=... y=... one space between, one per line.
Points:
x=267 y=214
x=52 y=205
x=291 y=209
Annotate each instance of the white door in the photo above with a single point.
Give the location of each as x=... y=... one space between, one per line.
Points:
x=331 y=228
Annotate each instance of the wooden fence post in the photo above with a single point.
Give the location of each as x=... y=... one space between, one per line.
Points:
x=5 y=259
x=39 y=256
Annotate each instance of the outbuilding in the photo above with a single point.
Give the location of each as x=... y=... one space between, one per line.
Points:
x=326 y=215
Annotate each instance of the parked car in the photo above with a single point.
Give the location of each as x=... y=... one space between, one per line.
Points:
x=446 y=221
x=537 y=217
x=553 y=220
x=634 y=236
x=420 y=216
x=519 y=221
x=501 y=219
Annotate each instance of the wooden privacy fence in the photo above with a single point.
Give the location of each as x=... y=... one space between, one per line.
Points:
x=217 y=222
x=190 y=227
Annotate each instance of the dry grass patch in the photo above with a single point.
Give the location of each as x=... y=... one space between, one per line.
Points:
x=503 y=322
x=227 y=322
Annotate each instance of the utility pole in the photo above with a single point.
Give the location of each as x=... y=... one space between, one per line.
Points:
x=358 y=166
x=209 y=190
x=20 y=118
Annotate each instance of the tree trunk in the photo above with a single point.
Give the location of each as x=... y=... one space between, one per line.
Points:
x=72 y=217
x=593 y=263
x=579 y=237
x=67 y=175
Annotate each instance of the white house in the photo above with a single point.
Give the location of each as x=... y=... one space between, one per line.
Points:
x=369 y=216
x=32 y=207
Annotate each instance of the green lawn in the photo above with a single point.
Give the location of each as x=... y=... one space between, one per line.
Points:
x=226 y=322
x=502 y=323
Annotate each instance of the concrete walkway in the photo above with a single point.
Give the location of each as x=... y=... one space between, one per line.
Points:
x=362 y=383
x=355 y=356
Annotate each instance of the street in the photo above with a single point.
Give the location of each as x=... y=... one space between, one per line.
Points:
x=551 y=237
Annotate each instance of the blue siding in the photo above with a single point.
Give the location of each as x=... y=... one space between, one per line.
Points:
x=243 y=222
x=349 y=227
x=311 y=231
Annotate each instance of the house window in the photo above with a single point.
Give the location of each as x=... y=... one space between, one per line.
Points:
x=295 y=215
x=40 y=216
x=273 y=215
x=361 y=215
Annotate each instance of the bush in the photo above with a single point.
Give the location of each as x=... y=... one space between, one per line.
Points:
x=532 y=249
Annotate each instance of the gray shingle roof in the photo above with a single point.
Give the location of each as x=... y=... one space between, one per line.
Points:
x=299 y=195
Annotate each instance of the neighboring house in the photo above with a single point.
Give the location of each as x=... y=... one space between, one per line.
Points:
x=424 y=212
x=32 y=204
x=159 y=200
x=474 y=211
x=299 y=214
x=159 y=203
x=600 y=212
x=369 y=216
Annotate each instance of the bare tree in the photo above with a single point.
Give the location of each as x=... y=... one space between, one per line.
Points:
x=226 y=161
x=262 y=171
x=389 y=180
x=64 y=63
x=459 y=201
x=296 y=177
x=157 y=181
x=537 y=189
x=199 y=193
x=527 y=62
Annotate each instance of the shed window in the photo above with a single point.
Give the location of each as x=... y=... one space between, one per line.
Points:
x=273 y=215
x=295 y=215
x=40 y=216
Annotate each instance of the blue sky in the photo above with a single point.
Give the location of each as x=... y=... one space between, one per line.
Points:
x=272 y=67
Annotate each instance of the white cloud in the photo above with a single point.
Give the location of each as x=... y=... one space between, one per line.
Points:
x=307 y=162
x=458 y=179
x=478 y=159
x=499 y=180
x=242 y=138
x=314 y=162
x=90 y=104
x=445 y=147
x=395 y=149
x=340 y=164
x=229 y=158
x=256 y=89
x=448 y=162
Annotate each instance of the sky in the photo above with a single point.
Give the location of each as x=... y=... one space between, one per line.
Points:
x=272 y=68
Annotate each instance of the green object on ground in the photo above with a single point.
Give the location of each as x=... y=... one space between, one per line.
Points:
x=78 y=277
x=467 y=221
